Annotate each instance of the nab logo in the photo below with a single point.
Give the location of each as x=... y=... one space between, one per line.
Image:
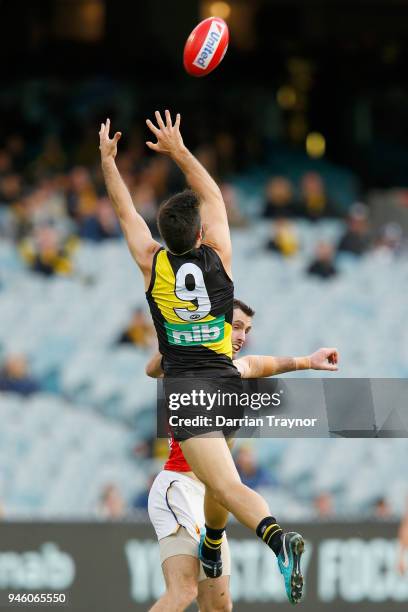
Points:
x=194 y=317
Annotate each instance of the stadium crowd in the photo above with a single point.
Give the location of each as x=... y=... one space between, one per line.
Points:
x=53 y=200
x=48 y=206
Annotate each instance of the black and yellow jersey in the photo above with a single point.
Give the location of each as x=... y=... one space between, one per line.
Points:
x=191 y=301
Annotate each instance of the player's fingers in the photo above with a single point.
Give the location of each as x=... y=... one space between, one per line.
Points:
x=334 y=356
x=107 y=127
x=168 y=118
x=178 y=119
x=152 y=145
x=159 y=120
x=152 y=127
x=330 y=353
x=117 y=137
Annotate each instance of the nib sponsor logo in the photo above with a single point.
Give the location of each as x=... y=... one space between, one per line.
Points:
x=195 y=333
x=209 y=46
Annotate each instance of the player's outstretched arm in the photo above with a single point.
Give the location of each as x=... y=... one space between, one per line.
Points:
x=154 y=366
x=137 y=234
x=262 y=366
x=213 y=212
x=403 y=545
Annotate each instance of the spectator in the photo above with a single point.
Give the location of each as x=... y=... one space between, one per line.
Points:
x=6 y=163
x=112 y=505
x=225 y=152
x=323 y=264
x=42 y=205
x=279 y=198
x=382 y=509
x=356 y=239
x=17 y=148
x=283 y=238
x=10 y=188
x=323 y=505
x=102 y=224
x=390 y=239
x=81 y=194
x=235 y=217
x=146 y=204
x=157 y=174
x=252 y=474
x=140 y=500
x=140 y=331
x=51 y=158
x=207 y=156
x=314 y=202
x=15 y=377
x=47 y=256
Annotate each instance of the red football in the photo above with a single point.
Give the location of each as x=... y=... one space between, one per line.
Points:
x=206 y=46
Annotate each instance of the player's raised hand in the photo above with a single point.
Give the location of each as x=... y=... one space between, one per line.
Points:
x=169 y=140
x=108 y=146
x=325 y=359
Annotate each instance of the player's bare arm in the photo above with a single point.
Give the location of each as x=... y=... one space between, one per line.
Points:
x=213 y=212
x=262 y=366
x=138 y=236
x=403 y=545
x=154 y=366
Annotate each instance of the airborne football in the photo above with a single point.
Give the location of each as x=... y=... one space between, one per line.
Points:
x=206 y=46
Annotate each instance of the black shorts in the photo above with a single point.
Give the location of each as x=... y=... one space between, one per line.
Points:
x=199 y=406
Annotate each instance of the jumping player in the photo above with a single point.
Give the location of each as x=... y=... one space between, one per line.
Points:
x=176 y=499
x=189 y=289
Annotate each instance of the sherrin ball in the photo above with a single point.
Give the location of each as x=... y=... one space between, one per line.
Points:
x=206 y=46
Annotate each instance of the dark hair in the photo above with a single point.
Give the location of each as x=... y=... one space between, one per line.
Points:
x=244 y=307
x=179 y=221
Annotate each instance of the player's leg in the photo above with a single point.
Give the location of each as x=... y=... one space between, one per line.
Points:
x=211 y=461
x=173 y=499
x=216 y=515
x=181 y=578
x=213 y=593
x=216 y=468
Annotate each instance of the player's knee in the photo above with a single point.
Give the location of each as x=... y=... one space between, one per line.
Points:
x=185 y=593
x=223 y=492
x=189 y=594
x=223 y=604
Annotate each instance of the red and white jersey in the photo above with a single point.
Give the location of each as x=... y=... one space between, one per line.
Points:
x=176 y=461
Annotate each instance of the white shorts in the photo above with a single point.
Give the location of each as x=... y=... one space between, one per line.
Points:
x=176 y=501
